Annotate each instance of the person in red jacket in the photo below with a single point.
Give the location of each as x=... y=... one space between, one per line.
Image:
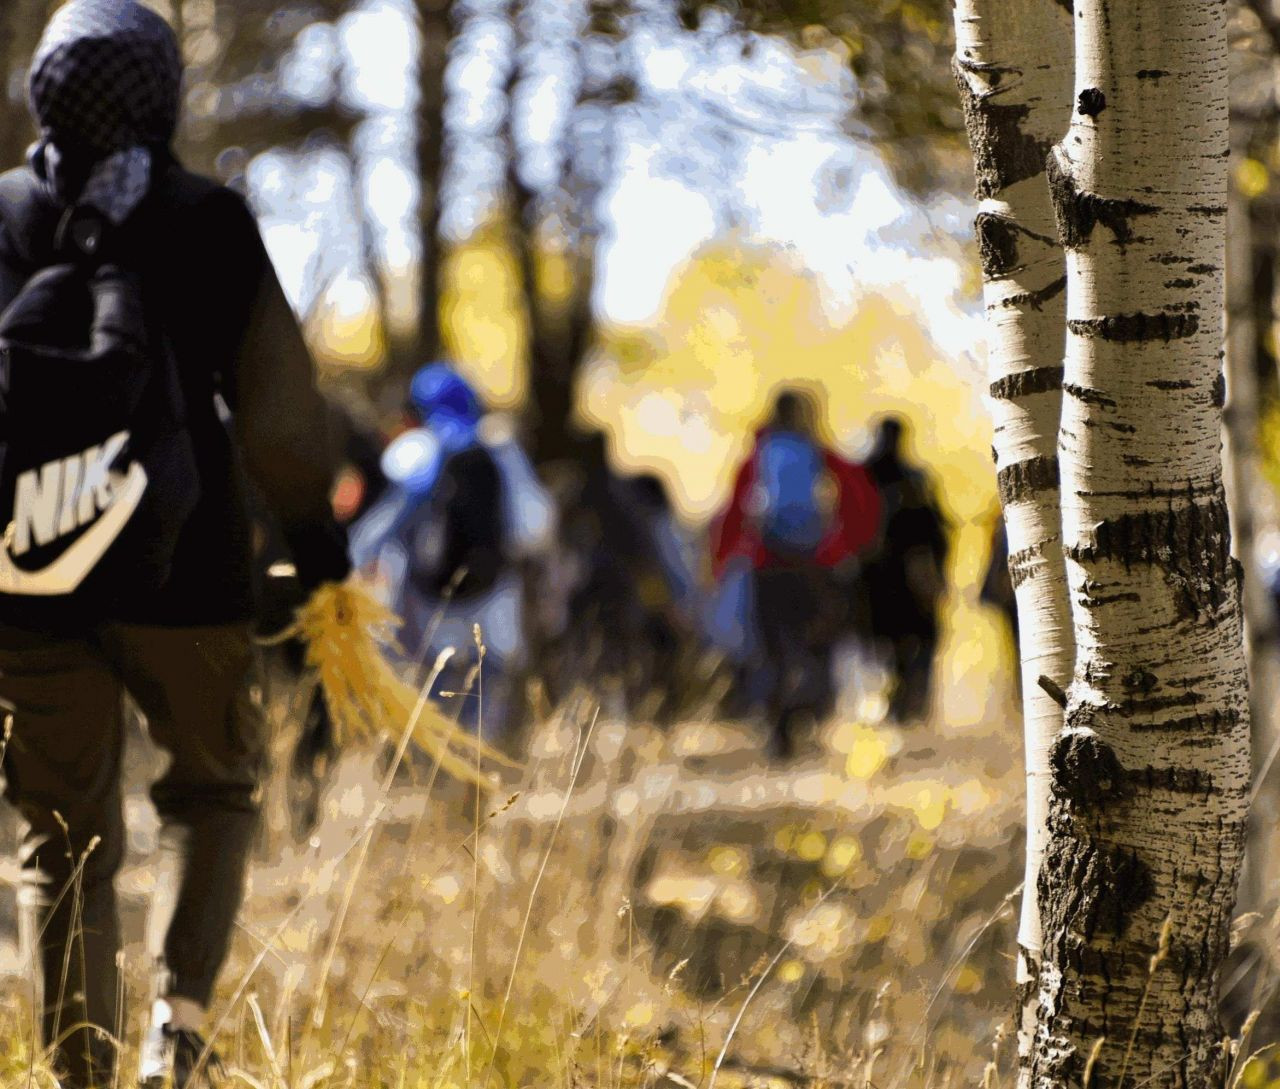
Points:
x=799 y=514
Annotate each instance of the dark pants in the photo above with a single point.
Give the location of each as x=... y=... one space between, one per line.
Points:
x=792 y=608
x=913 y=657
x=62 y=770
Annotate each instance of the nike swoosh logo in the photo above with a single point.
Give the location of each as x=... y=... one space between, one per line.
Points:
x=65 y=573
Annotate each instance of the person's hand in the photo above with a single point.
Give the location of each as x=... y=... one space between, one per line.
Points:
x=320 y=555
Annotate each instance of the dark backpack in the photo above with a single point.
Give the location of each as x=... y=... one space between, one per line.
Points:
x=456 y=537
x=794 y=509
x=97 y=469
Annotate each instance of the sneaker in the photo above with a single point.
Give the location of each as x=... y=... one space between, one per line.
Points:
x=169 y=1056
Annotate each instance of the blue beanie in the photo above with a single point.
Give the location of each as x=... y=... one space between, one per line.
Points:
x=437 y=390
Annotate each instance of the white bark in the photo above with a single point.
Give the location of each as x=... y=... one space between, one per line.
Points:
x=1013 y=68
x=1151 y=774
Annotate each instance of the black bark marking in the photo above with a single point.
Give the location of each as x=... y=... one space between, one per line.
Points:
x=1002 y=152
x=1190 y=543
x=1097 y=601
x=1140 y=680
x=1134 y=328
x=1169 y=384
x=1097 y=672
x=1084 y=769
x=997 y=244
x=1202 y=270
x=1218 y=394
x=1078 y=212
x=1173 y=779
x=1180 y=282
x=1104 y=884
x=1147 y=490
x=1139 y=713
x=1142 y=708
x=1088 y=396
x=1208 y=209
x=1023 y=563
x=1025 y=478
x=1025 y=992
x=1091 y=102
x=1151 y=73
x=1025 y=383
x=1036 y=299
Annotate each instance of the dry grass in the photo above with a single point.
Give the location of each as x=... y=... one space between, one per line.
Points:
x=638 y=909
x=635 y=908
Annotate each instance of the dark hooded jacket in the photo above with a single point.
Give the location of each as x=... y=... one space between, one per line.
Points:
x=209 y=287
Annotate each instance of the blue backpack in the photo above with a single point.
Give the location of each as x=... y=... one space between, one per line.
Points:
x=790 y=475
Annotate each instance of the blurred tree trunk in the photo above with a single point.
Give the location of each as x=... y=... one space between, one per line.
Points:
x=1012 y=65
x=1151 y=774
x=1249 y=512
x=561 y=331
x=234 y=97
x=1251 y=385
x=21 y=22
x=557 y=337
x=434 y=36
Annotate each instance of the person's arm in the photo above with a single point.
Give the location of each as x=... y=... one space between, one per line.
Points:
x=859 y=508
x=13 y=273
x=280 y=419
x=728 y=535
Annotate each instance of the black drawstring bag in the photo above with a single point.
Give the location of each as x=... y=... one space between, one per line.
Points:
x=97 y=469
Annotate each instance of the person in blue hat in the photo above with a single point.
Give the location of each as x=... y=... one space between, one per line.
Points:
x=464 y=507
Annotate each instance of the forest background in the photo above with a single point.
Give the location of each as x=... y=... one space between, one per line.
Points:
x=645 y=215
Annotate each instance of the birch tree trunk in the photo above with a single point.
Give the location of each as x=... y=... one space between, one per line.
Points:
x=1013 y=68
x=1151 y=773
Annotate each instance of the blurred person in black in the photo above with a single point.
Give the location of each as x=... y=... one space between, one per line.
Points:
x=104 y=88
x=629 y=586
x=904 y=581
x=997 y=584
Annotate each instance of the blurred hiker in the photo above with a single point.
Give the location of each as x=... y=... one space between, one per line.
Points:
x=797 y=514
x=463 y=508
x=630 y=600
x=997 y=584
x=904 y=579
x=150 y=353
x=360 y=481
x=667 y=586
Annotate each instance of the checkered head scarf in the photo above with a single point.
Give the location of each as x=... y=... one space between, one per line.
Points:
x=104 y=92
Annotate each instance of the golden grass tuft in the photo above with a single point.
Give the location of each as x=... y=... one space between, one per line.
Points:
x=348 y=633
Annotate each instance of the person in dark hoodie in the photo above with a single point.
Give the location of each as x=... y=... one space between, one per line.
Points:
x=104 y=90
x=905 y=579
